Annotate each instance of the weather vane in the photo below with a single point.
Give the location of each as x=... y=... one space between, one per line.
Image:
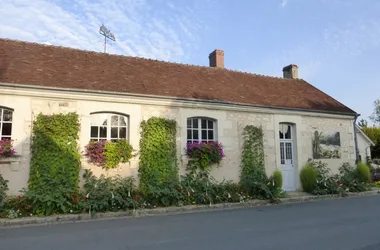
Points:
x=107 y=34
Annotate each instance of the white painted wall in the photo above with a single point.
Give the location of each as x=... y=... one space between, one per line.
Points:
x=230 y=124
x=363 y=146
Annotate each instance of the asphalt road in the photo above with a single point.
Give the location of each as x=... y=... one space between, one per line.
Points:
x=349 y=224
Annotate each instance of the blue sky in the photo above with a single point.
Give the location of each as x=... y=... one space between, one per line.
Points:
x=335 y=43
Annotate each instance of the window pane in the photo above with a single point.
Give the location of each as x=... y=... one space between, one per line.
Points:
x=7 y=129
x=5 y=138
x=103 y=132
x=282 y=153
x=210 y=124
x=189 y=137
x=114 y=132
x=7 y=115
x=204 y=135
x=95 y=119
x=195 y=135
x=289 y=155
x=195 y=123
x=104 y=123
x=114 y=120
x=281 y=135
x=288 y=134
x=94 y=131
x=122 y=121
x=189 y=123
x=204 y=123
x=211 y=135
x=122 y=133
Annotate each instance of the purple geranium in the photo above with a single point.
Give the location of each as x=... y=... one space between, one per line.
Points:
x=95 y=152
x=211 y=151
x=6 y=148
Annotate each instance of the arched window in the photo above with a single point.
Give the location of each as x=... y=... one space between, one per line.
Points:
x=108 y=126
x=6 y=116
x=201 y=129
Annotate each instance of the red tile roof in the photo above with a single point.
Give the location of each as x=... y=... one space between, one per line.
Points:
x=51 y=66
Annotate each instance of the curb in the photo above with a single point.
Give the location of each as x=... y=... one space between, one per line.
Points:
x=73 y=218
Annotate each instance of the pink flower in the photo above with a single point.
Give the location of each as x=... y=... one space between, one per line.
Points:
x=6 y=148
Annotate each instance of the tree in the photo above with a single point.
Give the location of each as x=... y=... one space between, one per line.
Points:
x=375 y=117
x=374 y=134
x=363 y=123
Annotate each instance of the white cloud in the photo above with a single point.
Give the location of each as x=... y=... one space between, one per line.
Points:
x=354 y=38
x=140 y=28
x=284 y=3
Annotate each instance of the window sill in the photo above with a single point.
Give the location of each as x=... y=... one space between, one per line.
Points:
x=14 y=160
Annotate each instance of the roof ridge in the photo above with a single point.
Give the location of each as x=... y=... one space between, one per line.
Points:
x=147 y=59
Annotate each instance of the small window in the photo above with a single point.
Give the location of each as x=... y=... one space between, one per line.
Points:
x=6 y=117
x=201 y=130
x=108 y=126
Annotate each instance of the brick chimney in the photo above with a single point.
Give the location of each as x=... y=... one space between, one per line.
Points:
x=291 y=71
x=217 y=58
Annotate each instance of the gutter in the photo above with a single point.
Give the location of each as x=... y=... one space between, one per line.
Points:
x=356 y=140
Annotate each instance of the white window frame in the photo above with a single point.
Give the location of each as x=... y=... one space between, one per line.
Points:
x=107 y=117
x=2 y=122
x=284 y=142
x=199 y=129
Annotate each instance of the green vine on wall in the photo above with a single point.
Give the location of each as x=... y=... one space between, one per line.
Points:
x=158 y=154
x=252 y=167
x=55 y=163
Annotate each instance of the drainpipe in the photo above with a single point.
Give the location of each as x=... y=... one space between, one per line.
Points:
x=356 y=140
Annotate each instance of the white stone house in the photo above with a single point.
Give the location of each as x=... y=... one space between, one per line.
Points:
x=209 y=104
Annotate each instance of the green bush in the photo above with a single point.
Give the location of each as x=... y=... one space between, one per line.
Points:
x=106 y=193
x=197 y=190
x=167 y=194
x=349 y=179
x=277 y=178
x=363 y=172
x=308 y=177
x=275 y=183
x=327 y=183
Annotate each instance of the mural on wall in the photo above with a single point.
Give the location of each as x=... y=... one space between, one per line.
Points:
x=326 y=145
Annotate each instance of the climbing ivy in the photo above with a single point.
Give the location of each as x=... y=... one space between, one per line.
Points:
x=55 y=163
x=252 y=168
x=158 y=155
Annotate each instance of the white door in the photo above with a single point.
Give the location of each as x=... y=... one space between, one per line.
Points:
x=287 y=158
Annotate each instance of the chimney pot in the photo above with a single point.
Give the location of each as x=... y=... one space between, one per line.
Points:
x=217 y=58
x=291 y=71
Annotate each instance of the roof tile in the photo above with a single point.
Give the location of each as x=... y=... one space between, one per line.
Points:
x=53 y=66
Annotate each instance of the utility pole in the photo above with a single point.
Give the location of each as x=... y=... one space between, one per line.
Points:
x=107 y=35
